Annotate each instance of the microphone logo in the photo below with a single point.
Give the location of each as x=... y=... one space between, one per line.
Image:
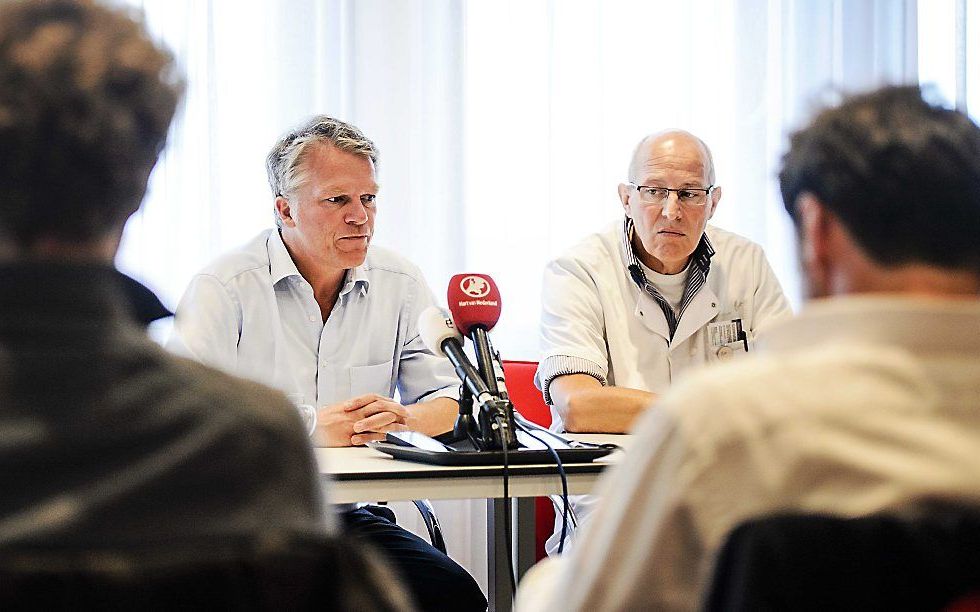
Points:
x=474 y=286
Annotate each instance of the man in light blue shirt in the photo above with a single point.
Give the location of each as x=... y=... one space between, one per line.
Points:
x=309 y=309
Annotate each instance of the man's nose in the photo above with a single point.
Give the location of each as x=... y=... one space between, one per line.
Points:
x=356 y=213
x=671 y=207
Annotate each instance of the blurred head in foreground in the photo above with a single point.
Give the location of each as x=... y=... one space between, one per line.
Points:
x=885 y=192
x=86 y=99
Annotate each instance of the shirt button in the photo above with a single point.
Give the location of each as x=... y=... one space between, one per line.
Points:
x=312 y=319
x=724 y=353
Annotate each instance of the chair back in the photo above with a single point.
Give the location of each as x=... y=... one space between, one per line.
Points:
x=527 y=399
x=274 y=573
x=818 y=562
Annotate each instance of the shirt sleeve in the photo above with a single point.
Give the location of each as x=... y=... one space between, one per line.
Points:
x=573 y=339
x=207 y=324
x=423 y=375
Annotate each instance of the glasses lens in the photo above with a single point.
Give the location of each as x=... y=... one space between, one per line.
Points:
x=690 y=196
x=652 y=195
x=656 y=195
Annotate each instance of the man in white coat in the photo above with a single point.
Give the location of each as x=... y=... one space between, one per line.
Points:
x=865 y=403
x=630 y=309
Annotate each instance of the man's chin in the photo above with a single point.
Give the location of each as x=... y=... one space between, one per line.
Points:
x=353 y=257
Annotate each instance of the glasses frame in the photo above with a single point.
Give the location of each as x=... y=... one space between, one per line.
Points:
x=707 y=192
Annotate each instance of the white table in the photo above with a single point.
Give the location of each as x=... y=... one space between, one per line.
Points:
x=363 y=474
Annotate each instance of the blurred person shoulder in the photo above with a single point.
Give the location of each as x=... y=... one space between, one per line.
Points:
x=255 y=405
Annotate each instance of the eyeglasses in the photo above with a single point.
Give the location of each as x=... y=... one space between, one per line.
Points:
x=690 y=196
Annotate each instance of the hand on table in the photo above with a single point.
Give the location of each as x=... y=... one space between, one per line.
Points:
x=359 y=420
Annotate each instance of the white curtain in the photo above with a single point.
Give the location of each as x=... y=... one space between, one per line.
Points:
x=505 y=126
x=559 y=92
x=256 y=69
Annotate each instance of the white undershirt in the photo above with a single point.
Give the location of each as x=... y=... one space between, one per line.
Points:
x=671 y=286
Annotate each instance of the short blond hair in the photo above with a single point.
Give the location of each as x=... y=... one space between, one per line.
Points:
x=284 y=164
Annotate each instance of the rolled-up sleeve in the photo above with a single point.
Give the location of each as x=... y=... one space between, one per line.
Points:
x=572 y=326
x=423 y=375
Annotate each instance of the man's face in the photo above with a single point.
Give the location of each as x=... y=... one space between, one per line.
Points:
x=329 y=220
x=666 y=233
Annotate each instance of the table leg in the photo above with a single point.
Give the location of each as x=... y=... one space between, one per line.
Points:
x=522 y=520
x=499 y=597
x=524 y=538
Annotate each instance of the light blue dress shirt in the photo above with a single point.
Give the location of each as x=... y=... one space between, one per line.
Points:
x=252 y=314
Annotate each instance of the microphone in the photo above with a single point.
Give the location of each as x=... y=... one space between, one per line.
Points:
x=474 y=302
x=439 y=334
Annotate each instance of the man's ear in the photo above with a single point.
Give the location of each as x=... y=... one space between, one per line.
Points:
x=284 y=211
x=820 y=246
x=814 y=225
x=624 y=197
x=715 y=198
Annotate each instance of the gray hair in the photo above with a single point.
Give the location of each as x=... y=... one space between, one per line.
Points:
x=284 y=163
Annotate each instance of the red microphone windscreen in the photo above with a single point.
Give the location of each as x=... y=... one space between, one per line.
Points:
x=473 y=300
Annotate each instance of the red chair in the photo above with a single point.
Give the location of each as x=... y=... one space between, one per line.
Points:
x=527 y=400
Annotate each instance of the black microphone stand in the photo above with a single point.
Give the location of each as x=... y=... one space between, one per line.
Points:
x=466 y=429
x=484 y=357
x=497 y=417
x=494 y=426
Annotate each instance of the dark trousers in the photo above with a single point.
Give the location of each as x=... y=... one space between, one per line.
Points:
x=434 y=580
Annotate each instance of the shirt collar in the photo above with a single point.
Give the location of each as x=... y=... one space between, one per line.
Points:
x=281 y=265
x=356 y=277
x=701 y=258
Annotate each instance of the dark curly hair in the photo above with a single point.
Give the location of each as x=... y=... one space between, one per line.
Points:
x=86 y=99
x=902 y=175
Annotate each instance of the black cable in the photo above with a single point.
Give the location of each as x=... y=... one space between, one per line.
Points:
x=564 y=486
x=507 y=512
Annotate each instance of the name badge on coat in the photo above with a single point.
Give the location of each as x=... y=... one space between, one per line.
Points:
x=727 y=338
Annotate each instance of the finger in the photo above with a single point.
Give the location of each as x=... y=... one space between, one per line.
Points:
x=383 y=405
x=332 y=409
x=360 y=401
x=375 y=422
x=364 y=438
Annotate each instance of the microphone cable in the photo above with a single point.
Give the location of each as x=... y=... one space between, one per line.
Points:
x=509 y=516
x=564 y=485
